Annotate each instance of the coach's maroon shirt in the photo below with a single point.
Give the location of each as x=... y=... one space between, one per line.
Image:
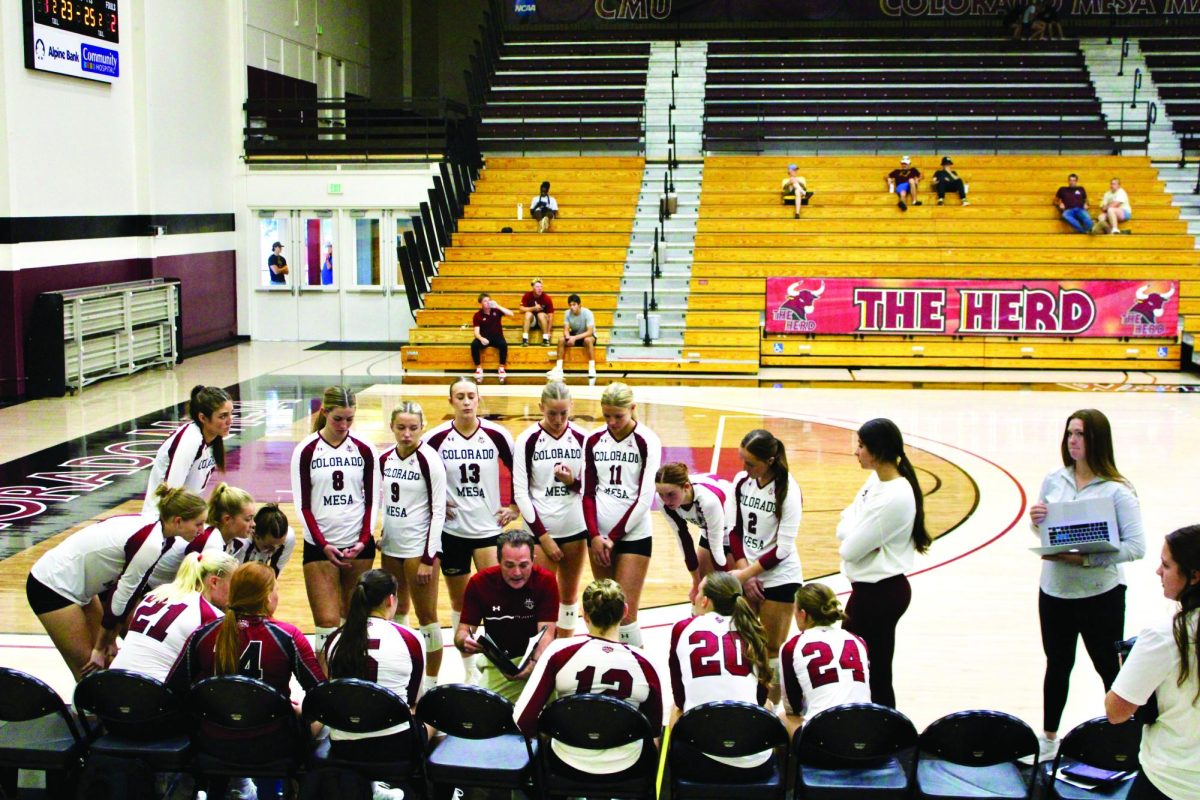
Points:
x=489 y=324
x=272 y=651
x=511 y=616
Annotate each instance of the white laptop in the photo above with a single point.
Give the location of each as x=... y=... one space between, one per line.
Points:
x=1082 y=526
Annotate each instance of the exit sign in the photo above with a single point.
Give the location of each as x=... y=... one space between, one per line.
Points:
x=335 y=188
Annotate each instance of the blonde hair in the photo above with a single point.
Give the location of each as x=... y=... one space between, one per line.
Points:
x=407 y=407
x=249 y=596
x=193 y=573
x=334 y=397
x=617 y=394
x=555 y=390
x=604 y=603
x=820 y=603
x=463 y=379
x=178 y=503
x=725 y=593
x=226 y=499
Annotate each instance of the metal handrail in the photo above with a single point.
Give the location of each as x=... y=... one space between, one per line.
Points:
x=1137 y=84
x=1124 y=53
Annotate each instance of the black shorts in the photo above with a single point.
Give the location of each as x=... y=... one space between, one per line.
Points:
x=784 y=593
x=313 y=554
x=641 y=547
x=582 y=342
x=42 y=599
x=570 y=537
x=457 y=552
x=705 y=545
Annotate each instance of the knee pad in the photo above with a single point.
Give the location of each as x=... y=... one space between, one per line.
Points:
x=432 y=633
x=568 y=615
x=321 y=637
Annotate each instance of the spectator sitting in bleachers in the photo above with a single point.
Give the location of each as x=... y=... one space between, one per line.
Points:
x=543 y=208
x=1114 y=209
x=1028 y=18
x=903 y=181
x=1072 y=202
x=1049 y=20
x=538 y=309
x=489 y=332
x=579 y=330
x=947 y=180
x=795 y=189
x=1012 y=19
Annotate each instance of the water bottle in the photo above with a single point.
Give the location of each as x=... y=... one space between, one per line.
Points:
x=520 y=211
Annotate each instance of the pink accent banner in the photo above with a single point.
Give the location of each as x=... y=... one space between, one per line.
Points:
x=1099 y=308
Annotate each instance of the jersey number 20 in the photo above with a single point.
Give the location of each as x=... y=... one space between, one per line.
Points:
x=705 y=661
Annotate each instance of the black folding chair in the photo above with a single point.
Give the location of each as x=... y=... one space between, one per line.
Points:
x=728 y=729
x=39 y=732
x=358 y=706
x=975 y=754
x=478 y=743
x=1100 y=744
x=245 y=728
x=596 y=722
x=855 y=750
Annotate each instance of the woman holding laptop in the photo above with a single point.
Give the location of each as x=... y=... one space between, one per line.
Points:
x=1084 y=594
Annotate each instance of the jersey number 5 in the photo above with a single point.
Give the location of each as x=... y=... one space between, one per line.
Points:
x=821 y=671
x=705 y=661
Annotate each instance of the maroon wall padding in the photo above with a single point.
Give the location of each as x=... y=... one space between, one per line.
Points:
x=209 y=302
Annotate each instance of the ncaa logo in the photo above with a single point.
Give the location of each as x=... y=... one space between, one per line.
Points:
x=524 y=8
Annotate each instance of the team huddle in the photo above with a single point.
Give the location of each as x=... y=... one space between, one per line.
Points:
x=190 y=584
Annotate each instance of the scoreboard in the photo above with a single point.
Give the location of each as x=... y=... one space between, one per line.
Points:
x=80 y=38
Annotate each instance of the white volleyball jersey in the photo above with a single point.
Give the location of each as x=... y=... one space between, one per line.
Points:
x=245 y=552
x=413 y=504
x=111 y=560
x=334 y=490
x=759 y=535
x=587 y=665
x=546 y=504
x=711 y=511
x=708 y=662
x=474 y=481
x=170 y=561
x=618 y=482
x=824 y=667
x=184 y=460
x=158 y=630
x=395 y=660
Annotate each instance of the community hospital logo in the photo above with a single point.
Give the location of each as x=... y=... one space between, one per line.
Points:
x=795 y=311
x=1143 y=315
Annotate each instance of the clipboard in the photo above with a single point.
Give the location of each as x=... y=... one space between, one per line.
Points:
x=497 y=655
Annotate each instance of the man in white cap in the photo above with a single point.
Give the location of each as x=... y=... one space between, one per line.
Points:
x=794 y=184
x=903 y=182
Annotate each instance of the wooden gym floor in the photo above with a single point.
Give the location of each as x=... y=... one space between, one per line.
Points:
x=970 y=638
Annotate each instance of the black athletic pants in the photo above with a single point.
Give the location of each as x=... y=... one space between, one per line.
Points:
x=872 y=613
x=1100 y=620
x=498 y=343
x=945 y=187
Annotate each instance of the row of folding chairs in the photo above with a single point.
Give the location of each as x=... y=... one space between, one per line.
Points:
x=234 y=726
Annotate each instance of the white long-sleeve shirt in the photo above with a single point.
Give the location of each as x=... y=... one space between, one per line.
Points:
x=546 y=504
x=413 y=504
x=712 y=511
x=766 y=537
x=184 y=460
x=876 y=529
x=1102 y=572
x=618 y=483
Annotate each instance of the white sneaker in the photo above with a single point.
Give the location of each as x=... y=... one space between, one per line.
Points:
x=242 y=789
x=1047 y=748
x=478 y=374
x=381 y=791
x=591 y=370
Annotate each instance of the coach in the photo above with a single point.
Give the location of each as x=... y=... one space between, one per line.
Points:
x=512 y=600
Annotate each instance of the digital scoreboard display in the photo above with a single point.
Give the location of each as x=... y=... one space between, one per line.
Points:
x=80 y=38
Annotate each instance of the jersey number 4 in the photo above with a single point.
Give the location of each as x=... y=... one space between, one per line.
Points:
x=821 y=671
x=705 y=661
x=250 y=663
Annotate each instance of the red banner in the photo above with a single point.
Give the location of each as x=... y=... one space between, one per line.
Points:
x=973 y=307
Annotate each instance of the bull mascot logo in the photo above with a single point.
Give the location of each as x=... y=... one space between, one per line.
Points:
x=1149 y=306
x=793 y=312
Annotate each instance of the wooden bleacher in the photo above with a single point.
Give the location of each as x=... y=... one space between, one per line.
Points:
x=584 y=253
x=1010 y=231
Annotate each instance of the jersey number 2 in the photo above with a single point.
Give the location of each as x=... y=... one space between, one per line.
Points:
x=821 y=671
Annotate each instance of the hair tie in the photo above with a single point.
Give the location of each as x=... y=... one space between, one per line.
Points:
x=199 y=557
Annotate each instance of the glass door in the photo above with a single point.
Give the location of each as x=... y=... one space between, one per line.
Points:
x=320 y=275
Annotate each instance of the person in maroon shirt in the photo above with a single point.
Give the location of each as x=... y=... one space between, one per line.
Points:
x=489 y=332
x=1072 y=202
x=538 y=309
x=512 y=600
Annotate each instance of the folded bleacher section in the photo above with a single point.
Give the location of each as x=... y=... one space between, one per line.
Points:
x=567 y=95
x=1175 y=68
x=962 y=95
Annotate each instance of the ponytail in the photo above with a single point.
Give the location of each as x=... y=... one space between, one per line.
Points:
x=226 y=500
x=820 y=603
x=763 y=445
x=884 y=442
x=346 y=650
x=334 y=397
x=178 y=502
x=724 y=591
x=206 y=400
x=195 y=570
x=249 y=596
